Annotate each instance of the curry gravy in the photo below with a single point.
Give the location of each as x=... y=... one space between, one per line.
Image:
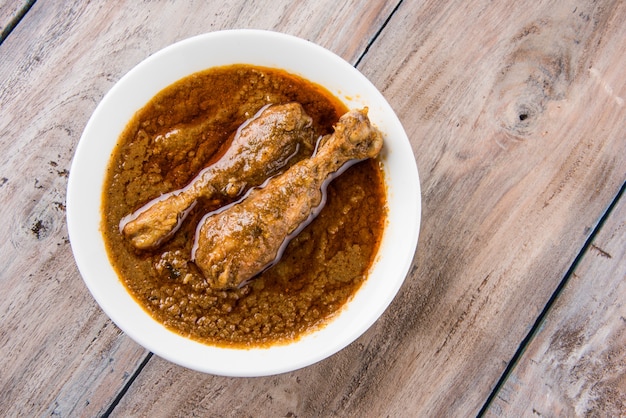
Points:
x=183 y=129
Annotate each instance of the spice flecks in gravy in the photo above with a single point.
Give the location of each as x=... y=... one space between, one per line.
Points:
x=182 y=130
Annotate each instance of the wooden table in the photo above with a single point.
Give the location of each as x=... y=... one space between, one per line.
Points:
x=515 y=304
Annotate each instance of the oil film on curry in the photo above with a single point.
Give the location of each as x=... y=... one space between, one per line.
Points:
x=243 y=206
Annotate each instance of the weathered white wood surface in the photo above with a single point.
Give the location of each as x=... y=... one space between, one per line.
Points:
x=576 y=364
x=516 y=116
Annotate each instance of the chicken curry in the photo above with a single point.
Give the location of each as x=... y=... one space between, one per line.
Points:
x=226 y=144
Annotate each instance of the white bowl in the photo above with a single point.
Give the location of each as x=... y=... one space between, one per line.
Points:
x=270 y=49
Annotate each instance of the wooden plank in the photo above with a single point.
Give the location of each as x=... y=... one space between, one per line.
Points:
x=61 y=354
x=516 y=116
x=575 y=366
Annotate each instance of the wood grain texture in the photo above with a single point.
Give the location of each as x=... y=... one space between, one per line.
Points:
x=62 y=356
x=517 y=120
x=516 y=116
x=576 y=365
x=520 y=147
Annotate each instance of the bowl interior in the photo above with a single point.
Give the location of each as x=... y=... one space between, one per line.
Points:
x=270 y=49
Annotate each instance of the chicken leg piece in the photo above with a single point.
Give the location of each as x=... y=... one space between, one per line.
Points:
x=278 y=135
x=234 y=244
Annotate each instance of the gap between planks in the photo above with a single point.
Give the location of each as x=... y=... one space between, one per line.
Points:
x=377 y=34
x=557 y=292
x=16 y=20
x=127 y=386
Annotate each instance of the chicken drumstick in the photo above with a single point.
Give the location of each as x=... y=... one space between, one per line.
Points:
x=234 y=244
x=276 y=136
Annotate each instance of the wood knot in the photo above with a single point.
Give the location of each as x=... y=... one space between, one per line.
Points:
x=535 y=72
